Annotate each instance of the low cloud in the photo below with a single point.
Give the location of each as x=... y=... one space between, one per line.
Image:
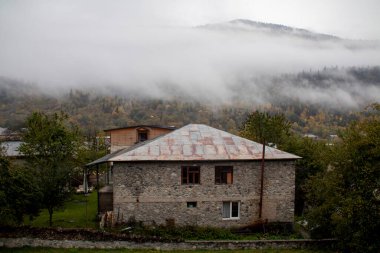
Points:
x=157 y=61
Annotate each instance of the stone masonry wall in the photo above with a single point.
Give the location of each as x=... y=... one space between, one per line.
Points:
x=153 y=193
x=327 y=244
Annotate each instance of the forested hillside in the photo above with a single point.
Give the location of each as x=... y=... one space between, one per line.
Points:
x=315 y=109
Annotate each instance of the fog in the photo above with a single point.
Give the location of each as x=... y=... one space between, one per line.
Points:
x=63 y=46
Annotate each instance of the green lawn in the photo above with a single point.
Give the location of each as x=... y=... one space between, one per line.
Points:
x=74 y=215
x=50 y=250
x=81 y=211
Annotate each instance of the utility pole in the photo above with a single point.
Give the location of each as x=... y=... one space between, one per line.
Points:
x=262 y=181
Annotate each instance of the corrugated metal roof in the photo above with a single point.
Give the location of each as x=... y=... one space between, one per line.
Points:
x=196 y=142
x=11 y=148
x=3 y=130
x=107 y=158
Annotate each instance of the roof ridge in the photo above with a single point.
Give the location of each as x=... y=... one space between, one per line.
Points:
x=137 y=126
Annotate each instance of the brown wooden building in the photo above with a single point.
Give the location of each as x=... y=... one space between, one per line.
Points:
x=126 y=137
x=122 y=138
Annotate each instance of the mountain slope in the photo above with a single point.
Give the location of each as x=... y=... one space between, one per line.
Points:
x=319 y=102
x=269 y=29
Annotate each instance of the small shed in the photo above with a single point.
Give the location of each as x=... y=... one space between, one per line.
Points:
x=106 y=199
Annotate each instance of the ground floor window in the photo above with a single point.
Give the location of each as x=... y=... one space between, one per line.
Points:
x=192 y=204
x=231 y=209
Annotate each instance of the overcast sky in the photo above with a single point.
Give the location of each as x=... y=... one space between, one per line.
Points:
x=150 y=43
x=347 y=18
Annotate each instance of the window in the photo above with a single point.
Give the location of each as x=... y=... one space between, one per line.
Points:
x=190 y=175
x=231 y=210
x=142 y=135
x=191 y=204
x=223 y=175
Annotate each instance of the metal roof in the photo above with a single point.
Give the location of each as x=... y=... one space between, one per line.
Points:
x=11 y=148
x=195 y=142
x=3 y=130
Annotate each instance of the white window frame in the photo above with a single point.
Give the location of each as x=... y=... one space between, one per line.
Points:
x=231 y=218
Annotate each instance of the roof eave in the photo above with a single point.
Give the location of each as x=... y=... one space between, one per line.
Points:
x=137 y=126
x=206 y=160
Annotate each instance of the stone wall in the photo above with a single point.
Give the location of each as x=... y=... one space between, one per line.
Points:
x=153 y=193
x=190 y=245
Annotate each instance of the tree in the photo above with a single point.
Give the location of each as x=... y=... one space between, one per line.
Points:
x=94 y=148
x=316 y=156
x=51 y=146
x=19 y=194
x=265 y=128
x=344 y=199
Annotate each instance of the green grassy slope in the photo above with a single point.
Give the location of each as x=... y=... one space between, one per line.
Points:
x=79 y=212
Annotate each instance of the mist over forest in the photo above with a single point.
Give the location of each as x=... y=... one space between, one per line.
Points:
x=320 y=102
x=117 y=75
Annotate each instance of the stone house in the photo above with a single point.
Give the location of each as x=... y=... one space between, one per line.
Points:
x=199 y=175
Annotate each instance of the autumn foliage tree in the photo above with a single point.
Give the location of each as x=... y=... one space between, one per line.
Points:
x=266 y=128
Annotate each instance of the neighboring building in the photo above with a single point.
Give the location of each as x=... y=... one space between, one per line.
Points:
x=9 y=135
x=128 y=136
x=311 y=136
x=11 y=149
x=10 y=143
x=3 y=131
x=199 y=175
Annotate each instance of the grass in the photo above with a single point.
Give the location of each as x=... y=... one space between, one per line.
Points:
x=268 y=236
x=51 y=250
x=73 y=215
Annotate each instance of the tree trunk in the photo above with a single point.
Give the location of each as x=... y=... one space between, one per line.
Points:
x=50 y=210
